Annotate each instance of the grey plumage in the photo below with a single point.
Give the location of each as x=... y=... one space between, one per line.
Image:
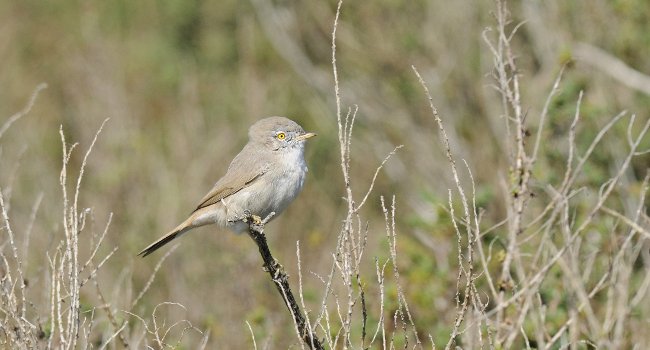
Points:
x=264 y=177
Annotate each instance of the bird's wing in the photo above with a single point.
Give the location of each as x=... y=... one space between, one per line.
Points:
x=233 y=182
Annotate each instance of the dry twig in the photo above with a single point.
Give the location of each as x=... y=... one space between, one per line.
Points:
x=281 y=281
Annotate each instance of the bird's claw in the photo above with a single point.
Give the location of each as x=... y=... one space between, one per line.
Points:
x=256 y=220
x=247 y=213
x=249 y=218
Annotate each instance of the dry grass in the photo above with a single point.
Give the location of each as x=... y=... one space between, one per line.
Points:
x=542 y=241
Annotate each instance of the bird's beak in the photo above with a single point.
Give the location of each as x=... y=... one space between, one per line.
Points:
x=305 y=136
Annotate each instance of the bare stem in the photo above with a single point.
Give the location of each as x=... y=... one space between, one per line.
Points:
x=281 y=281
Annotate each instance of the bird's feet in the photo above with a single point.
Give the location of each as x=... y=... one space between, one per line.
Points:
x=248 y=218
x=256 y=220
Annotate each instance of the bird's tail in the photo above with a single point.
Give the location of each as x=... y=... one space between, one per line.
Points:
x=175 y=233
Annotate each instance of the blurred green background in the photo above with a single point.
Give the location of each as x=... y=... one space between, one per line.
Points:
x=181 y=82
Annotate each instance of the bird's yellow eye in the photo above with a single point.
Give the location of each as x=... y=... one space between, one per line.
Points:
x=281 y=136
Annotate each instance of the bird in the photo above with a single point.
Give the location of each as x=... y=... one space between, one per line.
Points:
x=262 y=180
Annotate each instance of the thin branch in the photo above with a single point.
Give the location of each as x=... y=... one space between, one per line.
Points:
x=252 y=335
x=24 y=111
x=281 y=281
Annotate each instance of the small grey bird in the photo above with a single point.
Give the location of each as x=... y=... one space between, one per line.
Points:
x=263 y=178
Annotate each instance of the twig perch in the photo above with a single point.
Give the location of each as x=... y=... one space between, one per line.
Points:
x=281 y=281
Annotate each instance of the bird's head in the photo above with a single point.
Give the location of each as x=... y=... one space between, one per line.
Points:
x=278 y=133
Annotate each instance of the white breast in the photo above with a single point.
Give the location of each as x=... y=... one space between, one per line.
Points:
x=277 y=188
x=289 y=183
